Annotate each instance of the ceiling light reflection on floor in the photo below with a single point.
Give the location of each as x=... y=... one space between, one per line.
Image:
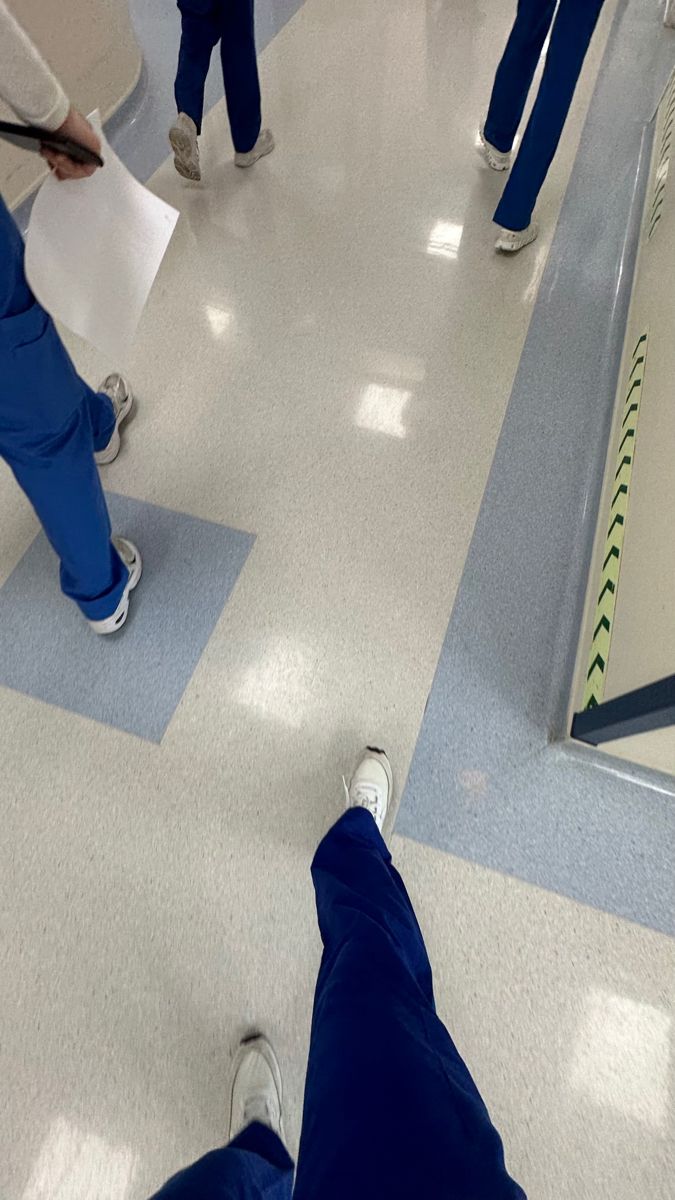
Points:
x=621 y=1058
x=279 y=685
x=381 y=409
x=220 y=319
x=75 y=1165
x=444 y=239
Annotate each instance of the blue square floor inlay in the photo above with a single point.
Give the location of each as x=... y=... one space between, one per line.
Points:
x=135 y=679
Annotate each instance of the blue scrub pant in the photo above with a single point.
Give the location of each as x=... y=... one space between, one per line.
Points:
x=230 y=22
x=570 y=38
x=390 y=1108
x=50 y=425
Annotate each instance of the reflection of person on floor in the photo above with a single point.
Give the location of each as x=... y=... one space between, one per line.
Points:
x=571 y=35
x=52 y=426
x=391 y=1111
x=205 y=23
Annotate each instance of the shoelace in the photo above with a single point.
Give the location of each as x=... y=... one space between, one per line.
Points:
x=363 y=795
x=110 y=389
x=256 y=1109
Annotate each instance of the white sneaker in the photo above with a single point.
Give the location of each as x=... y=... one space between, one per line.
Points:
x=183 y=138
x=256 y=1087
x=510 y=241
x=118 y=391
x=372 y=784
x=134 y=564
x=497 y=159
x=264 y=145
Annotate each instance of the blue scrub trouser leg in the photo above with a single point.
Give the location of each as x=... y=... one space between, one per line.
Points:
x=200 y=33
x=240 y=73
x=50 y=425
x=390 y=1108
x=232 y=23
x=573 y=29
x=516 y=71
x=255 y=1166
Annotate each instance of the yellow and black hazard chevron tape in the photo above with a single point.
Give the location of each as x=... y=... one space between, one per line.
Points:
x=618 y=512
x=667 y=107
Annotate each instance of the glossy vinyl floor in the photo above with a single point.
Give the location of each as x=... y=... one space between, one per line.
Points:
x=325 y=365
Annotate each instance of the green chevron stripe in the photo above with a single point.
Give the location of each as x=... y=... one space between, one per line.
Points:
x=603 y=623
x=616 y=526
x=597 y=664
x=658 y=201
x=614 y=552
x=655 y=217
x=666 y=117
x=635 y=384
x=610 y=587
x=640 y=359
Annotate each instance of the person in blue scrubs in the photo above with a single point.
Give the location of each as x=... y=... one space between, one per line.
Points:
x=53 y=427
x=205 y=24
x=391 y=1111
x=571 y=33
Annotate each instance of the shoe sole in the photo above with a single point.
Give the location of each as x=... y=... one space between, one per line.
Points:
x=105 y=457
x=259 y=1042
x=494 y=164
x=505 y=248
x=182 y=149
x=132 y=584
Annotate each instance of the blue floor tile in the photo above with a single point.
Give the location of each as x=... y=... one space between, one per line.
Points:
x=133 y=680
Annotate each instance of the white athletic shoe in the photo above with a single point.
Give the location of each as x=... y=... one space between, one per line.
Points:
x=118 y=391
x=183 y=138
x=134 y=564
x=264 y=145
x=497 y=159
x=372 y=784
x=510 y=241
x=256 y=1087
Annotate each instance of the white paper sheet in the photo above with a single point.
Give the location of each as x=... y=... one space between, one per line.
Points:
x=93 y=249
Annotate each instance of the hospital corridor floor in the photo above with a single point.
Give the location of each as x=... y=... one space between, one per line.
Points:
x=322 y=375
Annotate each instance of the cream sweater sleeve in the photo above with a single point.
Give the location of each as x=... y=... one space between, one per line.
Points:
x=26 y=82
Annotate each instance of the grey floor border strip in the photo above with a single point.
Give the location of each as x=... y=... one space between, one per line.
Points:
x=488 y=781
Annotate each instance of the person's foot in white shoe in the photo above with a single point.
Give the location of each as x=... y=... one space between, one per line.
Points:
x=498 y=160
x=264 y=145
x=256 y=1087
x=116 y=388
x=372 y=784
x=183 y=139
x=510 y=241
x=134 y=564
